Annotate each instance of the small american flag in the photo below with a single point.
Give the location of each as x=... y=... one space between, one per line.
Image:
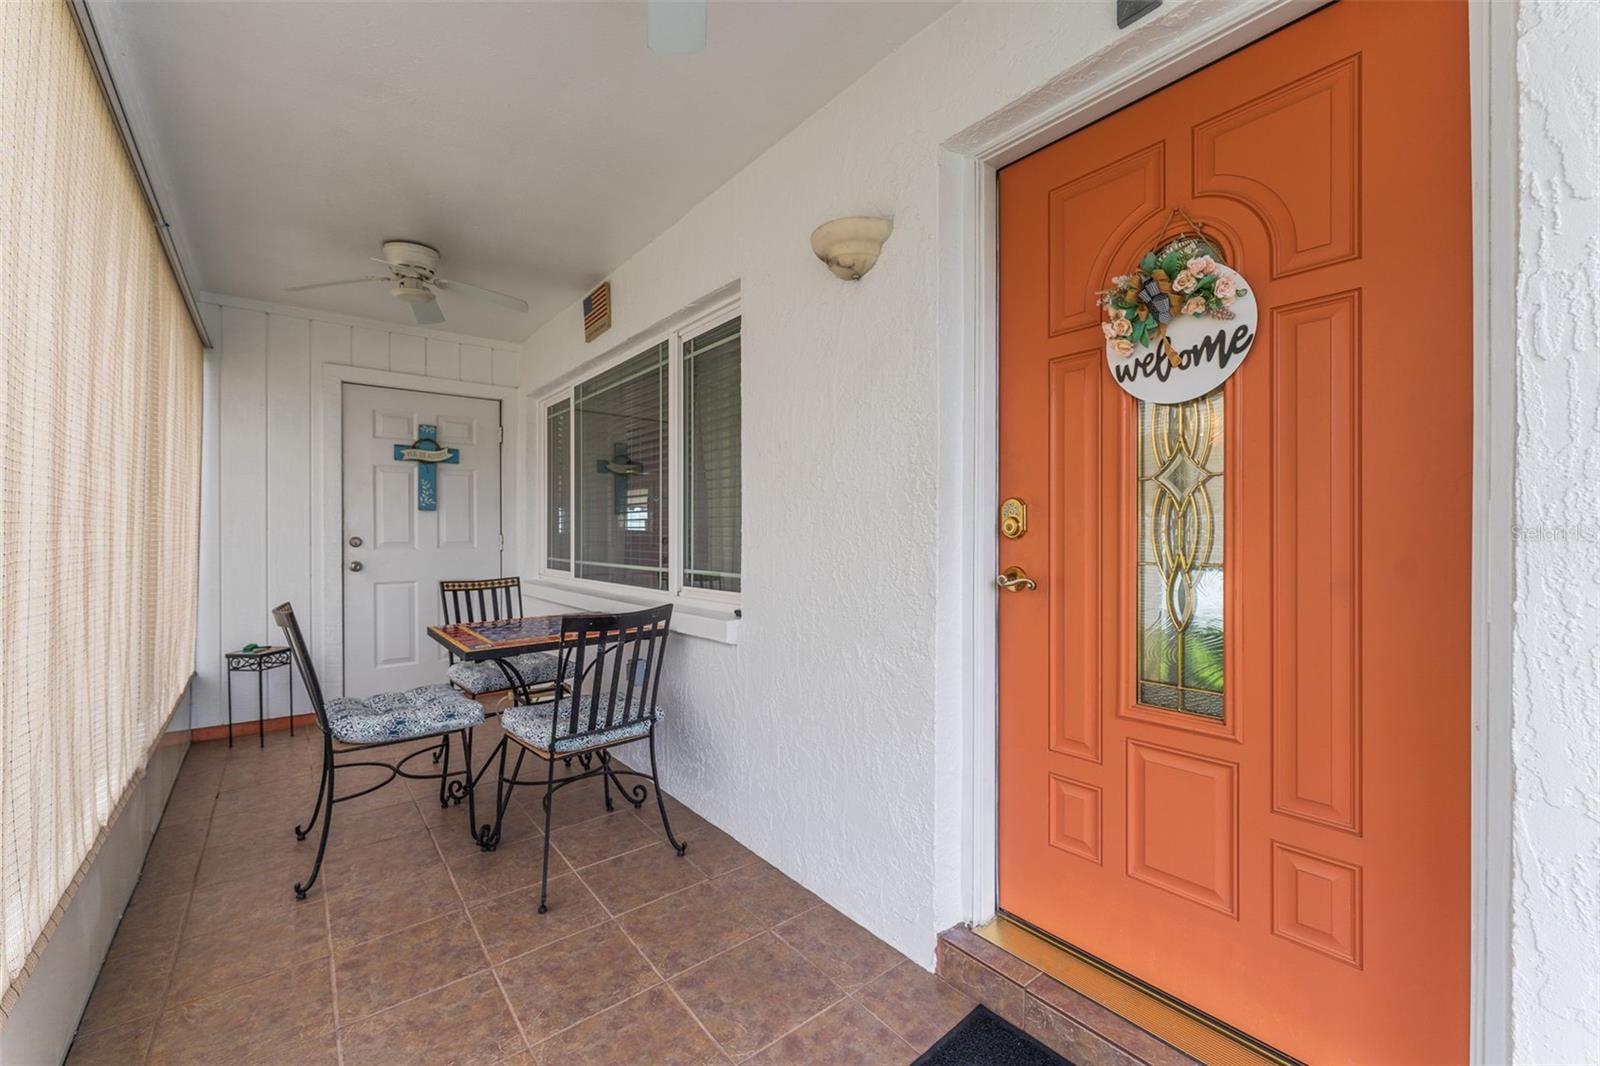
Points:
x=597 y=312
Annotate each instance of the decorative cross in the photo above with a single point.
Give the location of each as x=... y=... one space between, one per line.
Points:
x=620 y=467
x=426 y=453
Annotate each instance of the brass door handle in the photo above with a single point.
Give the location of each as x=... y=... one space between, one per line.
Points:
x=1015 y=579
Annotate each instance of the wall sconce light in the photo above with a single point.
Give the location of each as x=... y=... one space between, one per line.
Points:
x=851 y=245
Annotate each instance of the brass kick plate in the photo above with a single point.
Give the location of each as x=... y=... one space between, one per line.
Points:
x=1013 y=518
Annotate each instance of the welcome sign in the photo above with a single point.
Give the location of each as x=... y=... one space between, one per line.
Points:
x=1209 y=350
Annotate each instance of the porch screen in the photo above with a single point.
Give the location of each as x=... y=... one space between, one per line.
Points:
x=99 y=478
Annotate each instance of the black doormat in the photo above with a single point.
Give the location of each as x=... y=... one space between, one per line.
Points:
x=983 y=1038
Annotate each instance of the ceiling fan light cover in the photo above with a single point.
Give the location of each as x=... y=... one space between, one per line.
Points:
x=412 y=292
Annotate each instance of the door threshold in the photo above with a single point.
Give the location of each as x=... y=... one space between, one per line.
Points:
x=1146 y=1010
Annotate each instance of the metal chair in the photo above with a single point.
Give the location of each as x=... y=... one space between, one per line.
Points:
x=349 y=724
x=484 y=601
x=612 y=663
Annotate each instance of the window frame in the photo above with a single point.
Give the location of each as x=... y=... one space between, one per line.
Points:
x=675 y=334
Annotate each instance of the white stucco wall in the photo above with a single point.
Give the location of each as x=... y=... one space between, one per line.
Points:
x=1556 y=664
x=813 y=739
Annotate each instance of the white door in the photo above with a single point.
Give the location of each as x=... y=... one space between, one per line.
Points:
x=400 y=539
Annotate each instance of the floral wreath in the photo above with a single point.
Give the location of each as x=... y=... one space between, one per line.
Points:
x=1184 y=276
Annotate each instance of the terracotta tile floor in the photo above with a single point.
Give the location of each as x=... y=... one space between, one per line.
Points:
x=417 y=947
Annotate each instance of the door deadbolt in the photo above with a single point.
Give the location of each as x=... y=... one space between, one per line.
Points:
x=356 y=567
x=355 y=542
x=1013 y=518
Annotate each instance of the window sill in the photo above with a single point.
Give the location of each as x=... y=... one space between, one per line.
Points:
x=693 y=618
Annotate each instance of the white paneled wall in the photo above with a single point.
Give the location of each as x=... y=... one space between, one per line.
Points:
x=256 y=521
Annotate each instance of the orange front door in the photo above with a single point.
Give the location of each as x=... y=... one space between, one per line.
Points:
x=1247 y=783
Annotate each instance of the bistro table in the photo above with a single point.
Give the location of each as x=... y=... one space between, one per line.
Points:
x=498 y=641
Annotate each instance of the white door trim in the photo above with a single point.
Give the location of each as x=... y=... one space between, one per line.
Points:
x=1166 y=49
x=327 y=498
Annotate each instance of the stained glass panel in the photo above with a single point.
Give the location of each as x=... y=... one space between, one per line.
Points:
x=1180 y=580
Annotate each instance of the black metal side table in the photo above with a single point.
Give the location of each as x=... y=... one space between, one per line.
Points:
x=258 y=661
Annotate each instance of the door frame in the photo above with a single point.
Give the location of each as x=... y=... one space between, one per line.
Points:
x=327 y=498
x=1181 y=41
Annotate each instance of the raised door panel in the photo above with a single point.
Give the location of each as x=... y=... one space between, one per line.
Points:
x=1098 y=210
x=1183 y=825
x=1316 y=706
x=1293 y=156
x=394 y=507
x=1073 y=592
x=458 y=507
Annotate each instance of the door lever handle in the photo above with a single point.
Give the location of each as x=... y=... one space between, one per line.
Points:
x=1015 y=579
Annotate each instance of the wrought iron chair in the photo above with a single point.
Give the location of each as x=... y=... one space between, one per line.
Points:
x=349 y=724
x=613 y=666
x=484 y=601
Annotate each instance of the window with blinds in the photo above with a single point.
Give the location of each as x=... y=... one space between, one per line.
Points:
x=558 y=471
x=711 y=459
x=100 y=378
x=614 y=512
x=620 y=420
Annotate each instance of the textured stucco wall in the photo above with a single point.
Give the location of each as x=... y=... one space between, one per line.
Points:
x=1556 y=666
x=816 y=739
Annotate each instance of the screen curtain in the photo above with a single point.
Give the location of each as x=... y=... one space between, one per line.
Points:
x=99 y=477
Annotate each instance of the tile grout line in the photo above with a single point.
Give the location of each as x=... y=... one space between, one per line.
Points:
x=841 y=998
x=333 y=977
x=516 y=1019
x=690 y=1011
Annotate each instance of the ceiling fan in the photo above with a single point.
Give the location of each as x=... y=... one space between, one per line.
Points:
x=414 y=278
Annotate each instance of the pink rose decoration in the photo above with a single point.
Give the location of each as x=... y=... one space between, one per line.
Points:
x=1185 y=281
x=1202 y=265
x=1122 y=347
x=1105 y=327
x=1224 y=287
x=1122 y=327
x=1195 y=305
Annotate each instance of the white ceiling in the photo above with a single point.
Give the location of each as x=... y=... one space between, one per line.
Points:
x=537 y=145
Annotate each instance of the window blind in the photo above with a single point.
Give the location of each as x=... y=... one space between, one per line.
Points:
x=99 y=478
x=620 y=426
x=711 y=550
x=558 y=466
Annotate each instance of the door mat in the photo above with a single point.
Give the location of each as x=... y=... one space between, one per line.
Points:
x=983 y=1038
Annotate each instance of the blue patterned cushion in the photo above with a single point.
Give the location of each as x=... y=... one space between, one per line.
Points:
x=536 y=667
x=531 y=725
x=418 y=712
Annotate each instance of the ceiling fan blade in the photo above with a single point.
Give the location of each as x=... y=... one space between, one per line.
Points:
x=676 y=27
x=427 y=313
x=330 y=284
x=488 y=294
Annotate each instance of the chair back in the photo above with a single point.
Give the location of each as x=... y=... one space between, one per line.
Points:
x=484 y=600
x=283 y=614
x=614 y=664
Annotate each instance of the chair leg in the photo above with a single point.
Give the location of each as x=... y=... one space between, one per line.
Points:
x=489 y=837
x=444 y=772
x=605 y=781
x=655 y=780
x=549 y=793
x=301 y=831
x=636 y=795
x=301 y=888
x=466 y=778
